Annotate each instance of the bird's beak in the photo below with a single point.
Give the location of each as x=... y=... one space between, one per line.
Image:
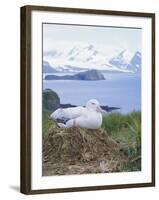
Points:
x=99 y=109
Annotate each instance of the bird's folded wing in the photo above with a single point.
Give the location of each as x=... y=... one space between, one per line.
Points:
x=73 y=112
x=68 y=113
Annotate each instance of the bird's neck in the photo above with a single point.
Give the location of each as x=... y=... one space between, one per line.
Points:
x=90 y=109
x=93 y=111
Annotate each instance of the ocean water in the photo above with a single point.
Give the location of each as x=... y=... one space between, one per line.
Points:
x=119 y=90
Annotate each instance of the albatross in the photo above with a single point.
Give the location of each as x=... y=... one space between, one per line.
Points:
x=89 y=117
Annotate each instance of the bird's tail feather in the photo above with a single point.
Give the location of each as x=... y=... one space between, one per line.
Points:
x=61 y=125
x=68 y=124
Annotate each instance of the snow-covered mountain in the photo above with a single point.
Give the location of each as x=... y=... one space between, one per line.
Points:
x=135 y=63
x=84 y=57
x=124 y=61
x=47 y=68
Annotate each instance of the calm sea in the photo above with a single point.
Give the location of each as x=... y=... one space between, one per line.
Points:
x=119 y=90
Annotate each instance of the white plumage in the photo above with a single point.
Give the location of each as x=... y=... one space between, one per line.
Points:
x=89 y=117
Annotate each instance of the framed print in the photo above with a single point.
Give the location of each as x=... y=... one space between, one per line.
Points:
x=87 y=99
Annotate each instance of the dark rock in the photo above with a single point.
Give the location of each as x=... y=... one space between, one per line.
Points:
x=51 y=100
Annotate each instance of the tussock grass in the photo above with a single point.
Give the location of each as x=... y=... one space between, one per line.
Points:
x=47 y=124
x=126 y=130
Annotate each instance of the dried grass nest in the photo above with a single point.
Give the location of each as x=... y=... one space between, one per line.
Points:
x=78 y=151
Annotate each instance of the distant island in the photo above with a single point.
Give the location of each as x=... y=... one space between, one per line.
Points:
x=90 y=75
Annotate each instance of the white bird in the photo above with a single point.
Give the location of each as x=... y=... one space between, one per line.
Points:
x=89 y=117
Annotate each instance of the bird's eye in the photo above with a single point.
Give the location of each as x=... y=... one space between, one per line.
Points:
x=93 y=103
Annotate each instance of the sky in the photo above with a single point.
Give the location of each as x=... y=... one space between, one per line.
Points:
x=103 y=37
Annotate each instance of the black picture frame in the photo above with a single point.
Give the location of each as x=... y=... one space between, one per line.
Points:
x=25 y=182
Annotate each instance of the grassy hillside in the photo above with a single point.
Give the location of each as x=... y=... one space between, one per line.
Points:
x=124 y=129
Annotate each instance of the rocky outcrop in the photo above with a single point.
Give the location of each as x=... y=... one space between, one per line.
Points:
x=51 y=100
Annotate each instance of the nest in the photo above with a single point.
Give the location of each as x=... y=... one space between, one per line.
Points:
x=80 y=151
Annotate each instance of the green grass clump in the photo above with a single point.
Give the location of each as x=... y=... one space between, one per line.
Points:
x=47 y=124
x=126 y=130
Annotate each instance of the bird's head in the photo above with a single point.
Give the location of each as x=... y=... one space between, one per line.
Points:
x=93 y=104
